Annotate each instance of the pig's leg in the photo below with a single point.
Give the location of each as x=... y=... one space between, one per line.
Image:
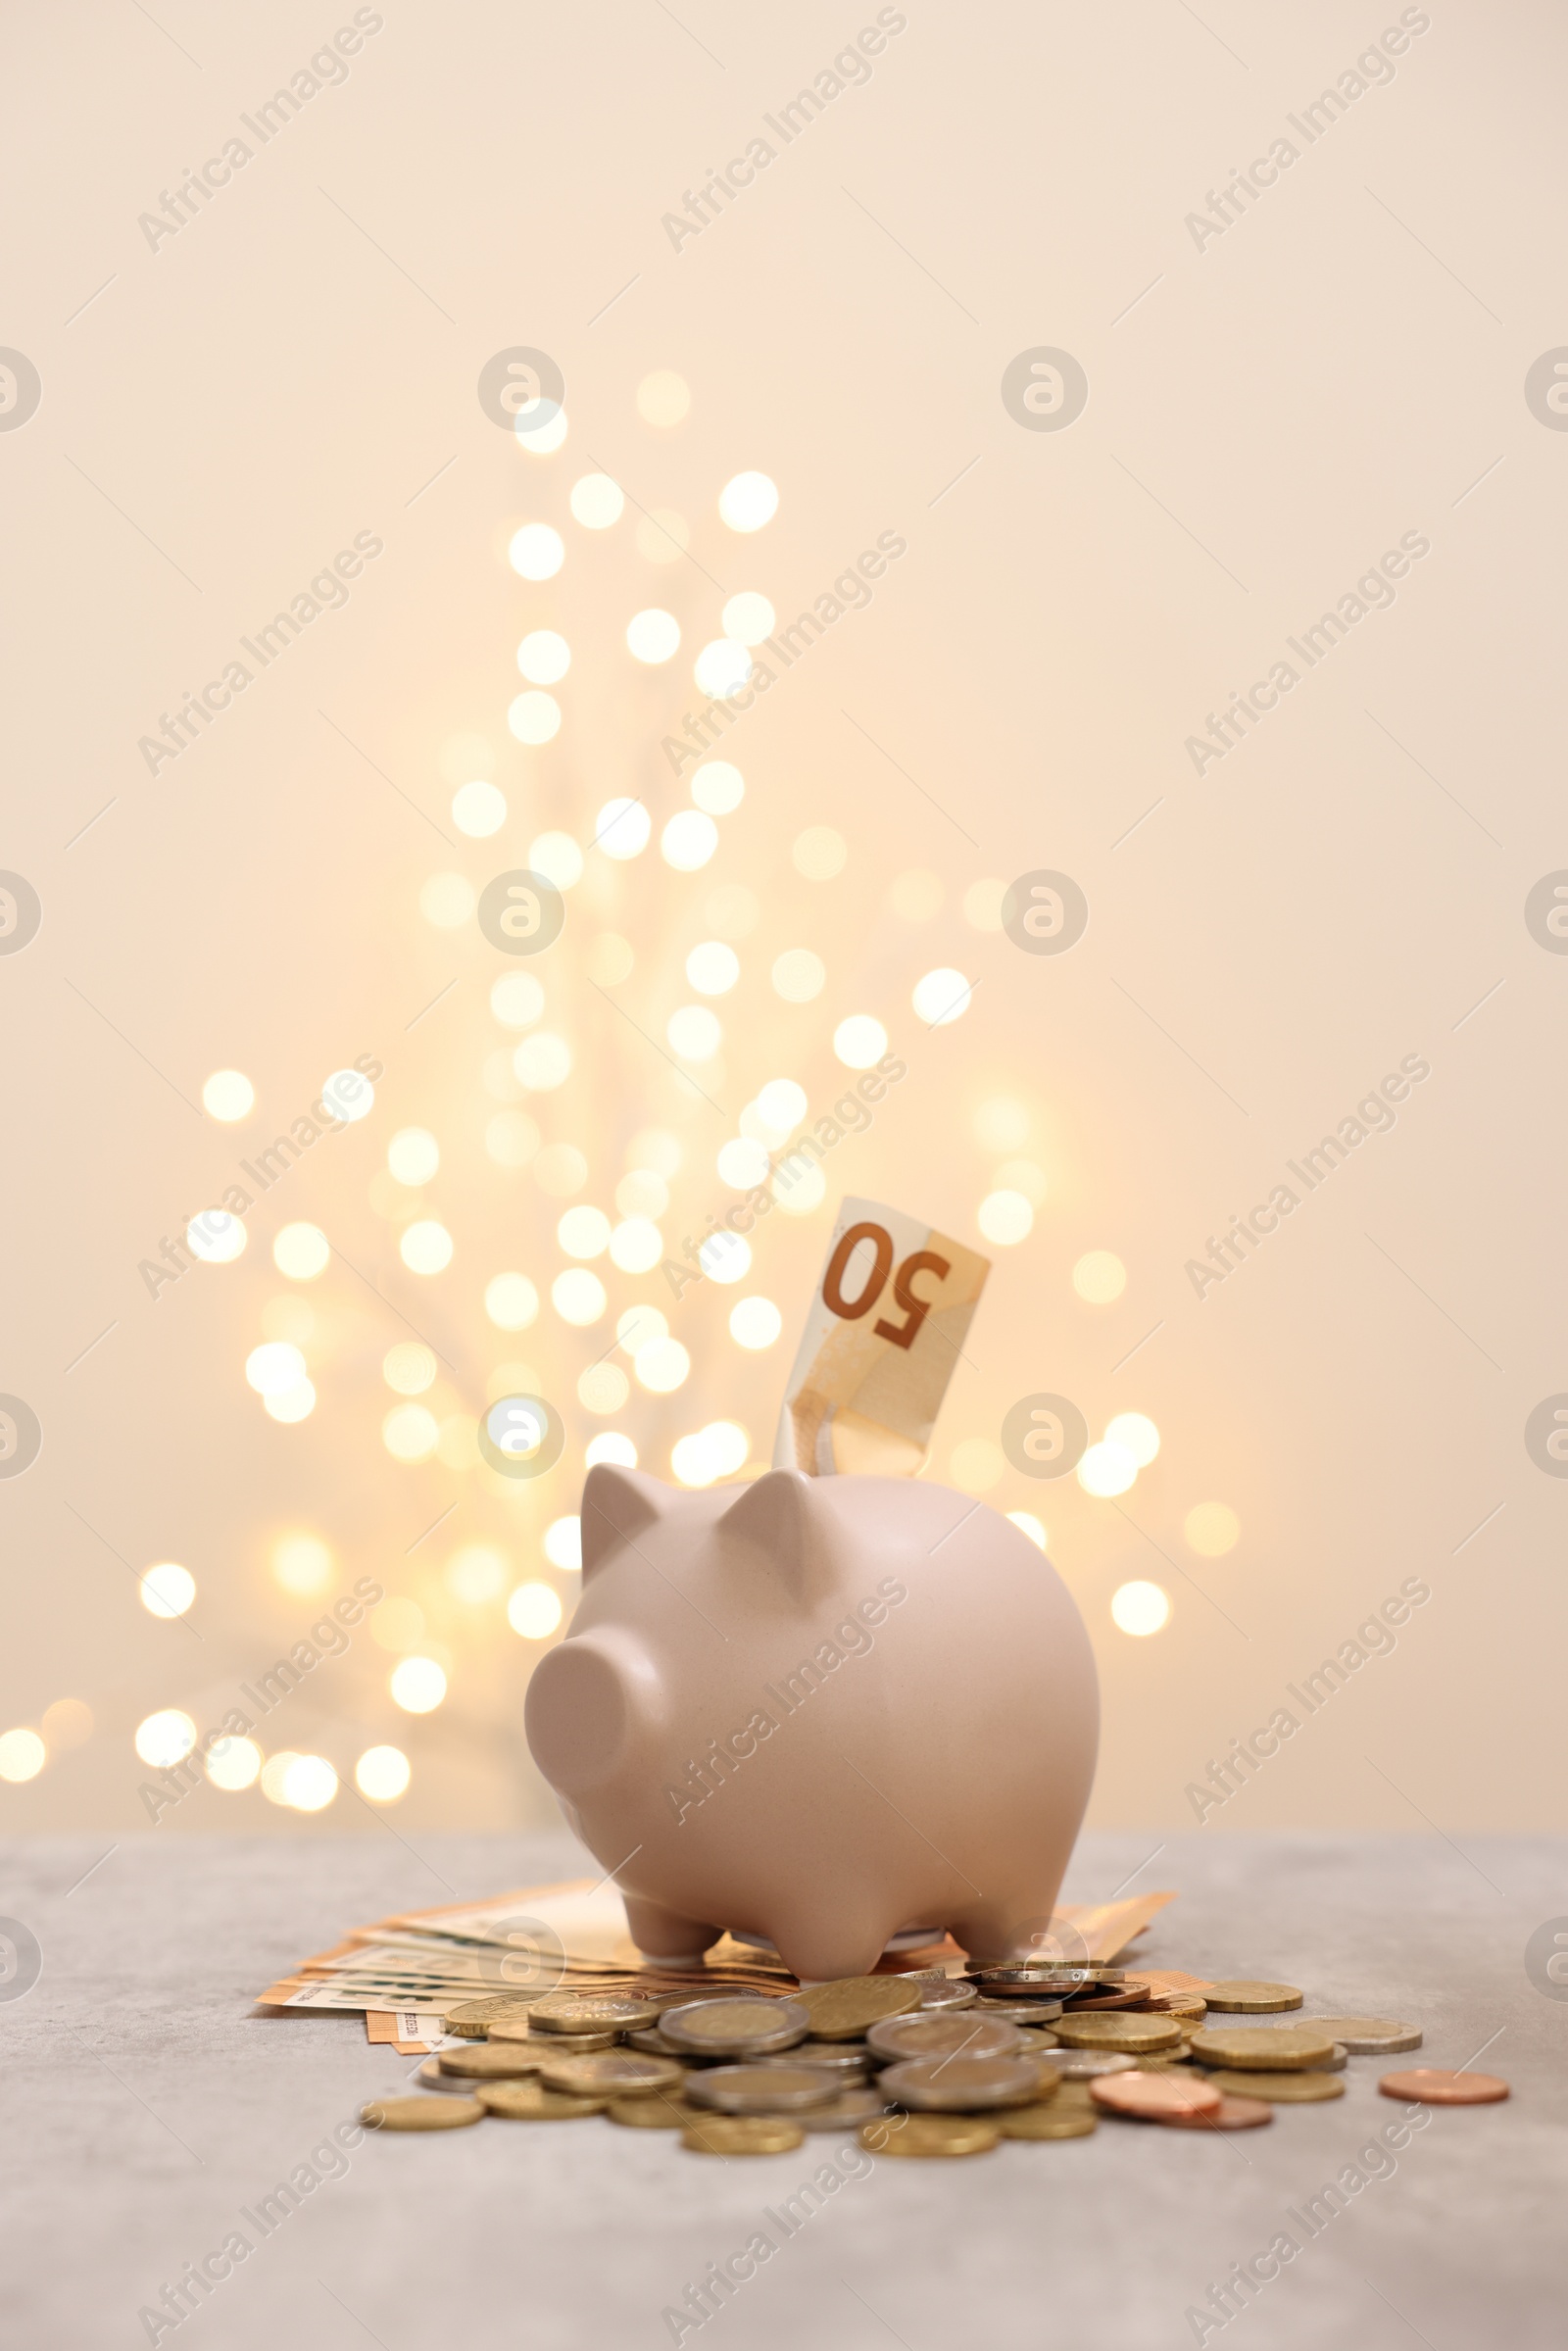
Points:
x=664 y=1935
x=820 y=1949
x=993 y=1933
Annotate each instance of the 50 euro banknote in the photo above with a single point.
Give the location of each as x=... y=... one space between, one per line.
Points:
x=886 y=1326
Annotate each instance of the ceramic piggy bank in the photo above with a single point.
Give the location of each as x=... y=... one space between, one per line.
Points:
x=822 y=1710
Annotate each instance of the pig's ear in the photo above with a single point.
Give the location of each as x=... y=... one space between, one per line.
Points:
x=780 y=1515
x=617 y=1506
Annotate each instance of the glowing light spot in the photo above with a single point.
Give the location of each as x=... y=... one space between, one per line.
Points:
x=409 y=1433
x=636 y=1245
x=216 y=1237
x=447 y=900
x=510 y=1300
x=663 y=398
x=516 y=1000
x=301 y=1252
x=622 y=829
x=274 y=1370
x=564 y=1543
x=718 y=788
x=23 y=1753
x=1106 y=1470
x=1006 y=1217
x=799 y=975
x=544 y=438
x=1139 y=1608
x=398 y=1624
x=716 y=1452
x=413 y=1155
x=754 y=1323
x=536 y=551
x=544 y=657
x=233 y=1763
x=584 y=1231
x=657 y=1149
x=799 y=1192
x=722 y=668
x=742 y=1164
x=942 y=997
x=748 y=501
x=859 y=1041
x=713 y=968
x=382 y=1775
x=612 y=1446
x=688 y=840
x=425 y=1246
x=1137 y=1434
x=781 y=1106
x=1212 y=1529
x=610 y=958
x=162 y=1739
x=348 y=1095
x=653 y=636
x=302 y=1564
x=557 y=857
x=748 y=618
x=543 y=1063
x=578 y=1296
x=637 y=1325
x=68 y=1722
x=293 y=1404
x=819 y=853
x=1100 y=1277
x=694 y=1033
x=308 y=1784
x=603 y=1387
x=1027 y=1524
x=168 y=1589
x=1003 y=1124
x=409 y=1369
x=534 y=716
x=533 y=1611
x=597 y=502
x=229 y=1096
x=479 y=809
x=726 y=1258
x=661 y=1365
x=417 y=1685
x=475 y=1574
x=977 y=1465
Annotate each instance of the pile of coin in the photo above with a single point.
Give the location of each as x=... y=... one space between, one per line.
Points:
x=920 y=2064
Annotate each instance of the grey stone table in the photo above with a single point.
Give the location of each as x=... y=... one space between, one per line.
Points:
x=147 y=2106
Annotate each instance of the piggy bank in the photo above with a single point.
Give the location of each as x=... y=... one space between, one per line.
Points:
x=820 y=1710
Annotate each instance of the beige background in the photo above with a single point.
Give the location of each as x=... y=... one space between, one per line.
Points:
x=1266 y=416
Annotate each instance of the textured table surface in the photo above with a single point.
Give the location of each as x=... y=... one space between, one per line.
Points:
x=146 y=2104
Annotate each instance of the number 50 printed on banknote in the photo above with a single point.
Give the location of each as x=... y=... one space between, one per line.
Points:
x=886 y=1326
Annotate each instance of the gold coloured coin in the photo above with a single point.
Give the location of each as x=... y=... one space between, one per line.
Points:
x=742 y=2134
x=618 y=2073
x=1055 y=2121
x=961 y=2085
x=421 y=2114
x=1131 y=2034
x=728 y=2027
x=1272 y=2048
x=1368 y=2035
x=933 y=2134
x=846 y=2110
x=1242 y=1997
x=489 y=2061
x=843 y=2009
x=1280 y=2089
x=760 y=2089
x=656 y=2112
x=845 y=2060
x=531 y=2102
x=593 y=2012
x=475 y=2017
x=964 y=2033
x=513 y=2030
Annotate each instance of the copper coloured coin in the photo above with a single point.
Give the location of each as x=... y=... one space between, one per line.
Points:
x=1150 y=2097
x=1231 y=2114
x=1434 y=2085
